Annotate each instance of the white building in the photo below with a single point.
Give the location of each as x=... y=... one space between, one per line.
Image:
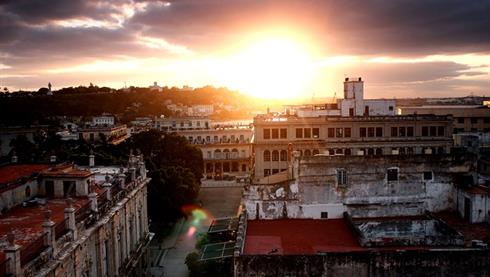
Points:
x=103 y=120
x=169 y=124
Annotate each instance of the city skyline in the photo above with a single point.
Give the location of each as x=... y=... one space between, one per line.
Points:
x=268 y=49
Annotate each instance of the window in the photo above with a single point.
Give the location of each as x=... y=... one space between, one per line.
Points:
x=433 y=132
x=440 y=131
x=339 y=132
x=275 y=133
x=401 y=131
x=460 y=119
x=267 y=156
x=275 y=156
x=316 y=152
x=307 y=153
x=394 y=131
x=486 y=120
x=409 y=131
x=392 y=174
x=299 y=132
x=339 y=151
x=267 y=172
x=331 y=152
x=331 y=132
x=323 y=214
x=425 y=131
x=347 y=152
x=267 y=133
x=370 y=132
x=390 y=108
x=316 y=132
x=362 y=132
x=275 y=170
x=474 y=120
x=379 y=131
x=427 y=175
x=284 y=155
x=370 y=151
x=284 y=133
x=366 y=110
x=341 y=177
x=347 y=132
x=234 y=167
x=244 y=167
x=307 y=133
x=379 y=152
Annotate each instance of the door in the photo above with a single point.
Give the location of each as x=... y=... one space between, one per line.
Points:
x=49 y=185
x=467 y=208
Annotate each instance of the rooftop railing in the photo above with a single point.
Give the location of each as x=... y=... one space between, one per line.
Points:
x=32 y=250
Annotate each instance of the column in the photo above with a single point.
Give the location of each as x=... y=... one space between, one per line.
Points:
x=70 y=216
x=12 y=252
x=49 y=232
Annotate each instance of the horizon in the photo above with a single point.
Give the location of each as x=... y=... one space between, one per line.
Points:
x=269 y=49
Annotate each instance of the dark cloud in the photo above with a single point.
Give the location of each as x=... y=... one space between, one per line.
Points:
x=400 y=28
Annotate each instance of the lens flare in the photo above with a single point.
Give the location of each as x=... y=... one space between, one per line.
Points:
x=197 y=217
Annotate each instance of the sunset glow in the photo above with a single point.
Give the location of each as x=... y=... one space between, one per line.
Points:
x=271 y=68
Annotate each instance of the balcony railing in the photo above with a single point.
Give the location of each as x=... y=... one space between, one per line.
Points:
x=61 y=228
x=32 y=250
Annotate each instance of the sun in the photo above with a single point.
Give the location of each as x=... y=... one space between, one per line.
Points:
x=271 y=68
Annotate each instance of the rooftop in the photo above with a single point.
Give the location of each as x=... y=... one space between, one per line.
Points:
x=13 y=172
x=298 y=236
x=66 y=170
x=26 y=222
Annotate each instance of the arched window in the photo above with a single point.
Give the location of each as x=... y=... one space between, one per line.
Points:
x=267 y=156
x=234 y=153
x=226 y=153
x=379 y=151
x=284 y=155
x=316 y=152
x=307 y=153
x=275 y=155
x=217 y=154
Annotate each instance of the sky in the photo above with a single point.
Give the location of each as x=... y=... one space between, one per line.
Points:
x=270 y=49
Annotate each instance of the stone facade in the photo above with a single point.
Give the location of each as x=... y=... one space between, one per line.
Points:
x=104 y=235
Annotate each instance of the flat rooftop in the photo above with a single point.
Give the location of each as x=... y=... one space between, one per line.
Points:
x=299 y=236
x=26 y=222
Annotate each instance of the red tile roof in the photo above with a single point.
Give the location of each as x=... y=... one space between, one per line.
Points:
x=10 y=173
x=26 y=222
x=299 y=236
x=66 y=170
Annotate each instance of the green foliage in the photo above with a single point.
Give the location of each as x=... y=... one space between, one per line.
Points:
x=93 y=100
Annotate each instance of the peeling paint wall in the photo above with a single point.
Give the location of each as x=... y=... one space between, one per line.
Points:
x=367 y=192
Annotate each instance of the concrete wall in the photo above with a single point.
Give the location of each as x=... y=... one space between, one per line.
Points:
x=367 y=192
x=16 y=196
x=479 y=206
x=467 y=263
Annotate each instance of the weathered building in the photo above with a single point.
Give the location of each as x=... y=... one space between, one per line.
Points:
x=364 y=186
x=466 y=118
x=374 y=133
x=113 y=134
x=77 y=222
x=225 y=151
